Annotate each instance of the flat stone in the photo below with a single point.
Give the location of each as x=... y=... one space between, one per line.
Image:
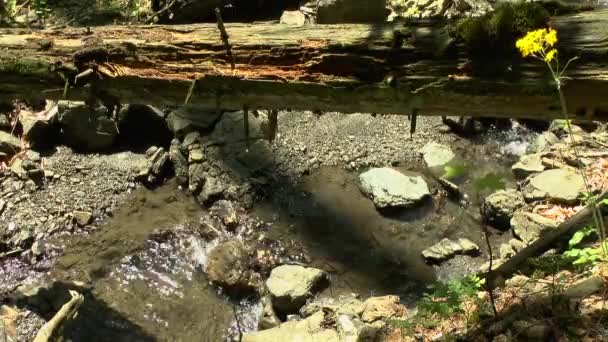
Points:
x=529 y=227
x=291 y=285
x=388 y=187
x=447 y=248
x=82 y=217
x=435 y=154
x=382 y=308
x=527 y=165
x=558 y=185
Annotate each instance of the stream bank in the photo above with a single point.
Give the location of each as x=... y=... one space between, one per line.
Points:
x=109 y=228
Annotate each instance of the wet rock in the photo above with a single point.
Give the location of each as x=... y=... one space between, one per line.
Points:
x=9 y=144
x=558 y=185
x=309 y=329
x=388 y=187
x=382 y=308
x=435 y=154
x=345 y=11
x=227 y=267
x=447 y=248
x=179 y=161
x=269 y=318
x=437 y=8
x=499 y=207
x=291 y=285
x=293 y=18
x=527 y=165
x=212 y=190
x=82 y=218
x=86 y=128
x=543 y=142
x=226 y=212
x=188 y=119
x=529 y=227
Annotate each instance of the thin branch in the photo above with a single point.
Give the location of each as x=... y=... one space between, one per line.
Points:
x=225 y=38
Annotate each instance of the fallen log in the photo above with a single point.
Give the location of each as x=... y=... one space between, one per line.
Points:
x=344 y=68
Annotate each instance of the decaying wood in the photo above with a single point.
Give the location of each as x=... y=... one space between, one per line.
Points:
x=50 y=330
x=323 y=67
x=546 y=241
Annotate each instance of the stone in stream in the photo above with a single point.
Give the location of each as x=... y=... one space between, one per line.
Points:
x=291 y=285
x=9 y=144
x=529 y=226
x=82 y=217
x=499 y=207
x=388 y=188
x=228 y=267
x=226 y=212
x=213 y=188
x=84 y=127
x=557 y=185
x=447 y=248
x=435 y=154
x=527 y=165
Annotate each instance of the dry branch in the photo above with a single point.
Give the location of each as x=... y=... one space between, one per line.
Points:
x=50 y=330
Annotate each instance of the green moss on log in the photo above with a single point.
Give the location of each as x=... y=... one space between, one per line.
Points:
x=24 y=67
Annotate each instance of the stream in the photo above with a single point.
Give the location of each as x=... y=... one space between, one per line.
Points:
x=143 y=269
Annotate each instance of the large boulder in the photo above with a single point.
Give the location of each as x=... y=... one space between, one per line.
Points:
x=86 y=128
x=527 y=165
x=311 y=329
x=529 y=227
x=388 y=187
x=9 y=144
x=228 y=267
x=346 y=11
x=291 y=285
x=499 y=207
x=557 y=185
x=447 y=248
x=189 y=119
x=435 y=154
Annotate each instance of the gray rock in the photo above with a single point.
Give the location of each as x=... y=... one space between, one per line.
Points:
x=212 y=189
x=529 y=227
x=447 y=248
x=506 y=251
x=189 y=119
x=293 y=18
x=9 y=144
x=311 y=329
x=228 y=267
x=86 y=128
x=388 y=187
x=83 y=217
x=196 y=177
x=191 y=139
x=179 y=161
x=38 y=248
x=517 y=245
x=36 y=128
x=527 y=165
x=558 y=185
x=543 y=142
x=585 y=287
x=351 y=329
x=435 y=154
x=23 y=239
x=291 y=285
x=382 y=308
x=346 y=11
x=499 y=207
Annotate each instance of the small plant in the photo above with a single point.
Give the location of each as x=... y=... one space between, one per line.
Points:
x=583 y=257
x=42 y=10
x=446 y=299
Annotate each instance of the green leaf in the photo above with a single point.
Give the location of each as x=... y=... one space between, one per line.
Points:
x=576 y=239
x=490 y=181
x=454 y=171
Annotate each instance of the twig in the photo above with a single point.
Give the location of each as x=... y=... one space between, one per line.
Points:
x=489 y=288
x=225 y=38
x=9 y=253
x=67 y=311
x=238 y=322
x=246 y=126
x=167 y=7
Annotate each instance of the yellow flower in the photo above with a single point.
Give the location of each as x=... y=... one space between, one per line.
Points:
x=537 y=42
x=550 y=55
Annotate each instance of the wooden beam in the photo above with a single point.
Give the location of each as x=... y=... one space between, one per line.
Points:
x=323 y=67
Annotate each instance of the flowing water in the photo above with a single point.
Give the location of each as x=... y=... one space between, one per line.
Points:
x=144 y=286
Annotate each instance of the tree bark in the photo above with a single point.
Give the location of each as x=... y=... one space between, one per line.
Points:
x=323 y=67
